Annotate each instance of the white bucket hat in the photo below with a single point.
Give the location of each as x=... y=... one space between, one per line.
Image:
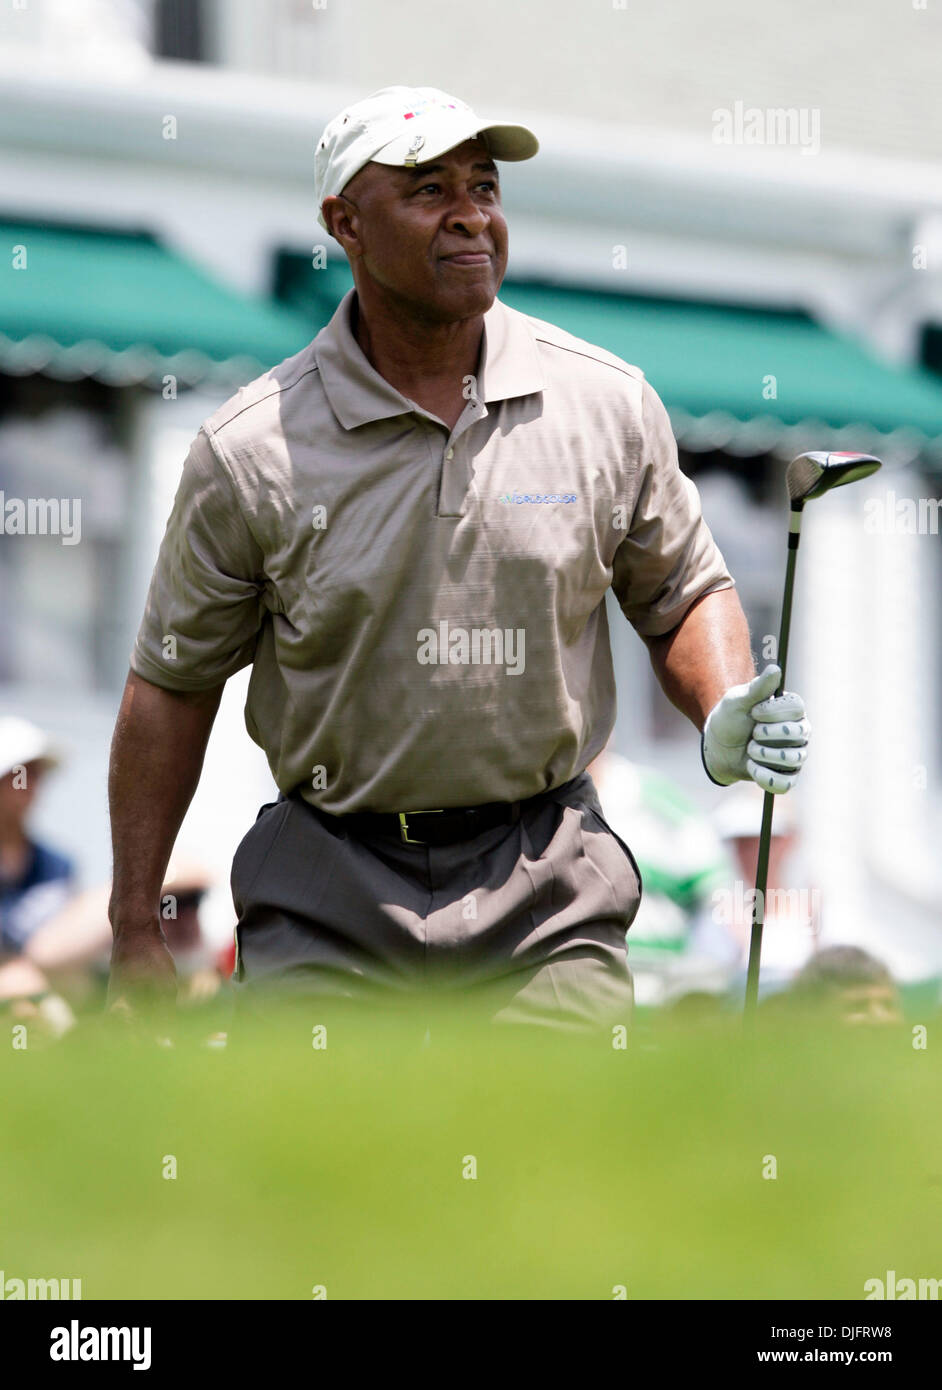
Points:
x=406 y=126
x=22 y=742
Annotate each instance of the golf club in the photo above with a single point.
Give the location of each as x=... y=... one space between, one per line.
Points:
x=809 y=476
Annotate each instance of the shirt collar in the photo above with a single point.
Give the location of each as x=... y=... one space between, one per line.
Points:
x=509 y=366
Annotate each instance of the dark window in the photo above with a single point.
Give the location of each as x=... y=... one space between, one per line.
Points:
x=180 y=30
x=931 y=354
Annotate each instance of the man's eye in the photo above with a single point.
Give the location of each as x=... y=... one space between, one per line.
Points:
x=489 y=184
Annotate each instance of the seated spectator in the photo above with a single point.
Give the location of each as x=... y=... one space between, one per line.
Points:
x=848 y=984
x=792 y=916
x=682 y=864
x=35 y=881
x=74 y=947
x=26 y=996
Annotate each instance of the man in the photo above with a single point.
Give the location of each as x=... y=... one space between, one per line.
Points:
x=683 y=864
x=73 y=947
x=35 y=881
x=793 y=919
x=847 y=985
x=408 y=530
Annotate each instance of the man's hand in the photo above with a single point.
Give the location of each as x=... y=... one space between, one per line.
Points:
x=751 y=733
x=156 y=756
x=142 y=969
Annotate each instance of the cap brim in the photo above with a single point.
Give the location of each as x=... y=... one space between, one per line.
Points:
x=443 y=133
x=48 y=760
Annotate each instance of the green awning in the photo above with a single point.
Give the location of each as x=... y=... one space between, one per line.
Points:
x=315 y=293
x=712 y=365
x=703 y=358
x=78 y=302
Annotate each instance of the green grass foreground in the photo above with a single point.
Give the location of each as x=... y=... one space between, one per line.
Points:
x=343 y=1167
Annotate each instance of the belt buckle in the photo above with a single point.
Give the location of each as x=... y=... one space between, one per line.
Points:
x=404 y=824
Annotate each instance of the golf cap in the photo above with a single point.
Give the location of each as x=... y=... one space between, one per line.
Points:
x=22 y=742
x=406 y=126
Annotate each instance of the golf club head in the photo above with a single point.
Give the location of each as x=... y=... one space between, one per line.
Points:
x=812 y=475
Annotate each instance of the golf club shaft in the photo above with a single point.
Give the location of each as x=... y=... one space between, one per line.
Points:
x=768 y=804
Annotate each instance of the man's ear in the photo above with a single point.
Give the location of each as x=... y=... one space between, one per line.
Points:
x=337 y=212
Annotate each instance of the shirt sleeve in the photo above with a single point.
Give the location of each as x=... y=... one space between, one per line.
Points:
x=668 y=559
x=204 y=607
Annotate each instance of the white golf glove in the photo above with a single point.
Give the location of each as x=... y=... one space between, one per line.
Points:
x=751 y=733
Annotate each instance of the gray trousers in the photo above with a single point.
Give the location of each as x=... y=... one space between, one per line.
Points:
x=526 y=921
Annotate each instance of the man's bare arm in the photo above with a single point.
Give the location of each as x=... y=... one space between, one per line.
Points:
x=157 y=755
x=698 y=661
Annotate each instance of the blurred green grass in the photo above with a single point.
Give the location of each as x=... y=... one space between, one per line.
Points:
x=596 y=1167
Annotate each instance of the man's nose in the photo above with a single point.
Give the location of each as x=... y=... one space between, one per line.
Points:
x=466 y=214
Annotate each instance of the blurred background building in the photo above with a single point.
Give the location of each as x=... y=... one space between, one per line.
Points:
x=746 y=202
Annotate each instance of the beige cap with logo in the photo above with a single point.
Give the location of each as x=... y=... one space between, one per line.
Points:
x=406 y=126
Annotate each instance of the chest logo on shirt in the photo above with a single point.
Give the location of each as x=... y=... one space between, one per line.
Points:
x=522 y=498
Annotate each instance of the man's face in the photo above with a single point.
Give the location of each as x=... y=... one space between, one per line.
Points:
x=18 y=791
x=871 y=1004
x=433 y=237
x=746 y=848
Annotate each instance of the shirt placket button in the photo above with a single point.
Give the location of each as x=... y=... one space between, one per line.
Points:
x=454 y=485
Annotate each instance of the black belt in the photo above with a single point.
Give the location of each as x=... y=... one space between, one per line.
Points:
x=445 y=827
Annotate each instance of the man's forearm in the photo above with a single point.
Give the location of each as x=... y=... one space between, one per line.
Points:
x=156 y=758
x=698 y=661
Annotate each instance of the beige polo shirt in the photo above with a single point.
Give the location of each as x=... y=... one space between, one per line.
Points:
x=423 y=610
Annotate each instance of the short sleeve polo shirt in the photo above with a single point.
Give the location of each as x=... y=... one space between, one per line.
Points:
x=424 y=610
